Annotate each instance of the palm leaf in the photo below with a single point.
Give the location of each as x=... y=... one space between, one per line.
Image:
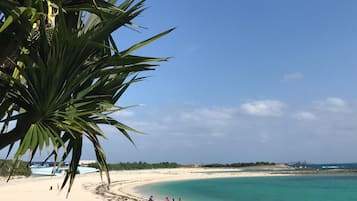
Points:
x=67 y=82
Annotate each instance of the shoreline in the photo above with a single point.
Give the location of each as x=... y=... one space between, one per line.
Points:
x=125 y=183
x=130 y=191
x=89 y=187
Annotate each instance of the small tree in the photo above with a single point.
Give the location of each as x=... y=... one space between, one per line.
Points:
x=61 y=74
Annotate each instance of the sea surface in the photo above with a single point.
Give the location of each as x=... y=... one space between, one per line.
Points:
x=275 y=188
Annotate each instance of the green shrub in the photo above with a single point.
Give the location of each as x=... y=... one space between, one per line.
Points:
x=235 y=165
x=138 y=165
x=21 y=168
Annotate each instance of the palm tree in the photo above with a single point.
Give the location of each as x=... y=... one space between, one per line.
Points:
x=61 y=75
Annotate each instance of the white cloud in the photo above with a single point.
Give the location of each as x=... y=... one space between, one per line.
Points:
x=293 y=76
x=332 y=104
x=209 y=119
x=123 y=114
x=305 y=116
x=208 y=113
x=263 y=108
x=193 y=134
x=338 y=102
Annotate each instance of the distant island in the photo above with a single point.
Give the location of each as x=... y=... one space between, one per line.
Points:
x=237 y=165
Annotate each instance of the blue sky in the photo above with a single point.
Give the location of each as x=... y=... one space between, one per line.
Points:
x=249 y=81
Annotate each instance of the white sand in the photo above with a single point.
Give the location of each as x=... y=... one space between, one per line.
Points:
x=38 y=189
x=88 y=187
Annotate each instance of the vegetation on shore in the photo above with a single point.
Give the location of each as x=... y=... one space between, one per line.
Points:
x=144 y=165
x=7 y=168
x=235 y=165
x=138 y=165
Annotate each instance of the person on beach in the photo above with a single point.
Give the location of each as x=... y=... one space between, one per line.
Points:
x=151 y=198
x=167 y=199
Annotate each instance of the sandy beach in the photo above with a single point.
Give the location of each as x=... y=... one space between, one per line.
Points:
x=123 y=186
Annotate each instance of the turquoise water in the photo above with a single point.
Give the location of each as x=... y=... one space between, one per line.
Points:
x=289 y=188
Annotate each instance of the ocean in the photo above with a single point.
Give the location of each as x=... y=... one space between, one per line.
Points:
x=275 y=188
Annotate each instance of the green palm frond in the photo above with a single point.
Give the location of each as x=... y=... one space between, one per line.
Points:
x=68 y=83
